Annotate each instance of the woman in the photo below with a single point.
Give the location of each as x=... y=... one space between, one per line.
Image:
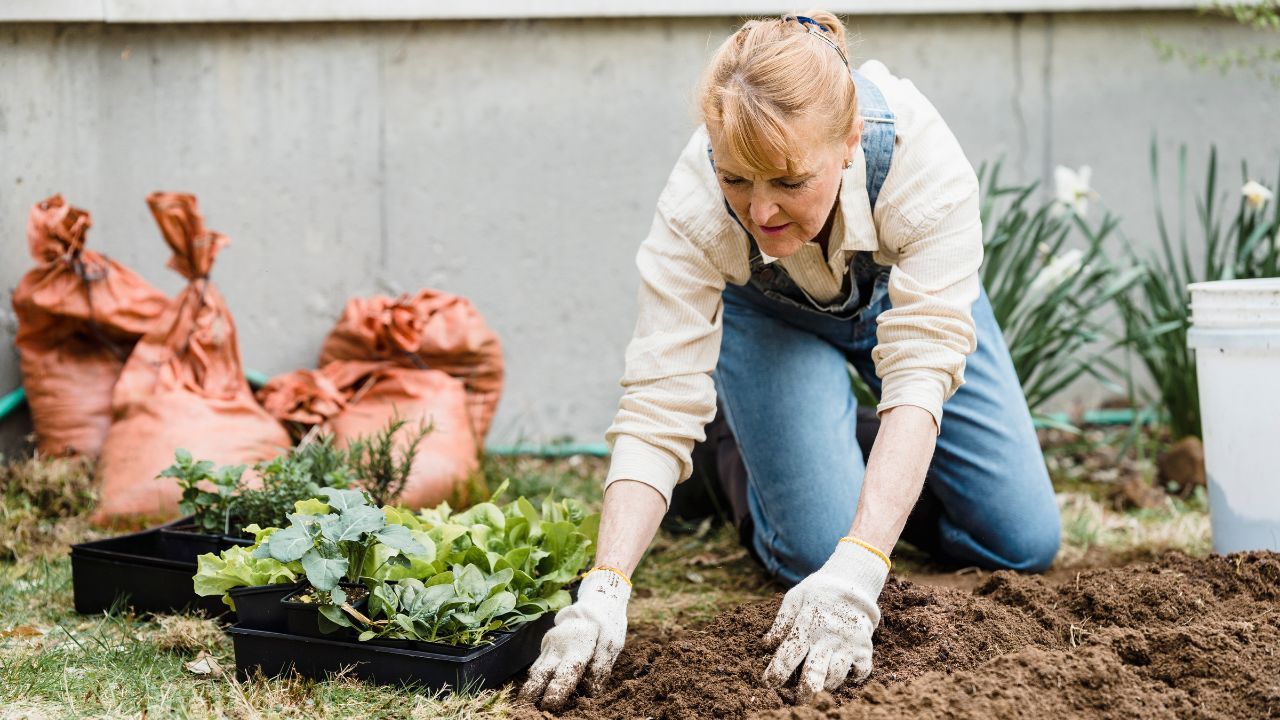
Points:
x=822 y=217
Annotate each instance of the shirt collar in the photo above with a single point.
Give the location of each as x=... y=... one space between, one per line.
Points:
x=854 y=224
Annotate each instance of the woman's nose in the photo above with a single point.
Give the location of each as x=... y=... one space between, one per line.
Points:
x=762 y=209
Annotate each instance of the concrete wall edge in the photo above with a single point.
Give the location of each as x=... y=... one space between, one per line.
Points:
x=167 y=11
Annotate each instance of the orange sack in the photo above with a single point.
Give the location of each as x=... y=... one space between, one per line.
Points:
x=79 y=316
x=428 y=329
x=354 y=398
x=183 y=386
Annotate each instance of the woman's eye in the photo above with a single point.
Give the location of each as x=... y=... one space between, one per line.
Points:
x=731 y=180
x=793 y=186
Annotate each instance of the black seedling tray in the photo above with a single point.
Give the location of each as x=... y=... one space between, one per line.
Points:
x=259 y=608
x=181 y=542
x=485 y=666
x=135 y=571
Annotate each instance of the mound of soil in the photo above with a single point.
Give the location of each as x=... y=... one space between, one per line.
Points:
x=1174 y=639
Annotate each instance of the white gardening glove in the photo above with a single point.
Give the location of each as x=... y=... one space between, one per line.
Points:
x=828 y=618
x=584 y=643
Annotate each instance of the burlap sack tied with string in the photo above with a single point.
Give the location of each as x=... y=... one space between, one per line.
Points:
x=183 y=386
x=353 y=398
x=428 y=329
x=79 y=315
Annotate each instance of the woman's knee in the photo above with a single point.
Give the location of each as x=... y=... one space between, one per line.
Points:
x=1028 y=543
x=793 y=553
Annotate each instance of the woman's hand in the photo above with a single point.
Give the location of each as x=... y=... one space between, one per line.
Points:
x=589 y=633
x=584 y=643
x=826 y=621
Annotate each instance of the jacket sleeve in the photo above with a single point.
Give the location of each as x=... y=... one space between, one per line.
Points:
x=932 y=231
x=668 y=396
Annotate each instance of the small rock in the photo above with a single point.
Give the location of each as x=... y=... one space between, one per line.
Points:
x=1134 y=492
x=1181 y=467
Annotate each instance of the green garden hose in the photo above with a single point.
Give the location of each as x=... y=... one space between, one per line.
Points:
x=15 y=399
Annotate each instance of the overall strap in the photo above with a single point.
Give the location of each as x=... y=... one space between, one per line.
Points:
x=878 y=133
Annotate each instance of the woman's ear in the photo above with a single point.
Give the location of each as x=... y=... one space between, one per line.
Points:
x=855 y=137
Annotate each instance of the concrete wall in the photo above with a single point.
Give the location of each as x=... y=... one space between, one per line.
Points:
x=518 y=162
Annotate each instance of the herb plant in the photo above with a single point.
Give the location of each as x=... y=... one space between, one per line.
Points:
x=211 y=509
x=220 y=501
x=381 y=469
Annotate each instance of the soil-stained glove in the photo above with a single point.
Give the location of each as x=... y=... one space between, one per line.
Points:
x=584 y=643
x=828 y=618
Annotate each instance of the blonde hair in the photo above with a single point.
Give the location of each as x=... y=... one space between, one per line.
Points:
x=771 y=73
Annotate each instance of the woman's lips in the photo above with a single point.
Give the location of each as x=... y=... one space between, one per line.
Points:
x=773 y=229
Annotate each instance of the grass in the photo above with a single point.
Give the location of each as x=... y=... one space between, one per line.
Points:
x=54 y=663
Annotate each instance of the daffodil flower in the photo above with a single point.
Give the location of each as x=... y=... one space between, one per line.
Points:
x=1072 y=189
x=1056 y=272
x=1256 y=194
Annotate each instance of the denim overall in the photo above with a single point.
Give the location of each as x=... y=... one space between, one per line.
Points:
x=783 y=387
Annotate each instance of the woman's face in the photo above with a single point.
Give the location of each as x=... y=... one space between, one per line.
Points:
x=783 y=212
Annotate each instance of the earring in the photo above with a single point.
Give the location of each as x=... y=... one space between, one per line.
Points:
x=848 y=164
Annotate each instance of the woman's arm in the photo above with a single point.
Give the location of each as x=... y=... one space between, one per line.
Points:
x=895 y=475
x=632 y=512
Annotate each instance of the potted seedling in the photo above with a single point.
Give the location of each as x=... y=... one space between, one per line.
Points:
x=251 y=586
x=208 y=499
x=332 y=549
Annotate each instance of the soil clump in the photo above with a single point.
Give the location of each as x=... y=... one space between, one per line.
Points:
x=1181 y=637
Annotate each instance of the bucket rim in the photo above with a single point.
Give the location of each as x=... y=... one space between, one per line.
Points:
x=1246 y=284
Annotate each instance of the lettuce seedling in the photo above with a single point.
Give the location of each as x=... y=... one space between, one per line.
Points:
x=237 y=567
x=459 y=606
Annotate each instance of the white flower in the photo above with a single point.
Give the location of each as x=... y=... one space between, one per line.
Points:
x=1073 y=191
x=1256 y=194
x=1056 y=272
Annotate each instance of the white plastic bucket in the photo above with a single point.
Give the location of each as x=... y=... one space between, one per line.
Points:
x=1235 y=333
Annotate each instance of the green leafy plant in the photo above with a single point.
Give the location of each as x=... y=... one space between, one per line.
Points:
x=220 y=501
x=334 y=546
x=503 y=564
x=1240 y=244
x=238 y=567
x=460 y=606
x=290 y=478
x=494 y=567
x=211 y=508
x=382 y=469
x=1049 y=282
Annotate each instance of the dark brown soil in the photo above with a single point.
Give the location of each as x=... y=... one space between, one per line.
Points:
x=1174 y=639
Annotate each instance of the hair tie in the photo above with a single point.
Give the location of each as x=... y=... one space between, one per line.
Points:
x=818 y=30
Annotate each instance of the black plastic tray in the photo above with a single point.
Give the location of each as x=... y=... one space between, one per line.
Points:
x=181 y=542
x=303 y=619
x=134 y=571
x=485 y=666
x=259 y=608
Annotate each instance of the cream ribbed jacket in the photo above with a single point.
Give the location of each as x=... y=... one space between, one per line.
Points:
x=926 y=226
